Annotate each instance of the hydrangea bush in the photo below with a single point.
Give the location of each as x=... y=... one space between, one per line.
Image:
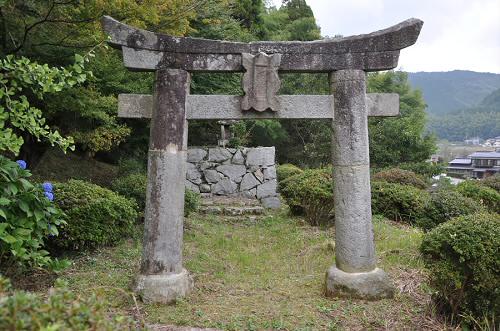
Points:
x=27 y=217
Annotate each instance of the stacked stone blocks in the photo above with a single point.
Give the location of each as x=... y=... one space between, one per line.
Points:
x=245 y=172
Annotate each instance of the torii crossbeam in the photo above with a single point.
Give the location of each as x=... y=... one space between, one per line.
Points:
x=162 y=277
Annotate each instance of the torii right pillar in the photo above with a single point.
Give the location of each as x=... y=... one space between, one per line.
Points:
x=355 y=273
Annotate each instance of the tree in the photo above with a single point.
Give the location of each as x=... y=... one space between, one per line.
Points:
x=400 y=139
x=20 y=77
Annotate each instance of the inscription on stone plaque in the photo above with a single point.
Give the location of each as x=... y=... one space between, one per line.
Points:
x=261 y=81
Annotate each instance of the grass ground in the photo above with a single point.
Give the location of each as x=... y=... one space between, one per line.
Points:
x=266 y=274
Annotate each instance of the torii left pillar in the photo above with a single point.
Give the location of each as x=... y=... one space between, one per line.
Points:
x=162 y=277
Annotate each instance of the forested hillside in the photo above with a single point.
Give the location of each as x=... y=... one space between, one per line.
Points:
x=460 y=104
x=481 y=121
x=447 y=92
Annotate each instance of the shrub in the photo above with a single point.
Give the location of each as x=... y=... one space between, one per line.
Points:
x=425 y=169
x=287 y=170
x=133 y=186
x=27 y=217
x=486 y=196
x=399 y=202
x=95 y=215
x=191 y=202
x=463 y=257
x=492 y=182
x=400 y=176
x=310 y=192
x=445 y=205
x=62 y=309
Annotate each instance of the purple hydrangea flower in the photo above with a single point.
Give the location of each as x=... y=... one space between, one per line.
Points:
x=47 y=187
x=49 y=196
x=22 y=164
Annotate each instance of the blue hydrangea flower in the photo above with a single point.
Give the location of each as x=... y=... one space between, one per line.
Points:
x=47 y=187
x=49 y=196
x=22 y=164
x=50 y=229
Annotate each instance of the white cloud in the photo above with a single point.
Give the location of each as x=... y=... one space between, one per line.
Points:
x=457 y=34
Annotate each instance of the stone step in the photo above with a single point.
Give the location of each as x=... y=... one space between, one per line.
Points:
x=232 y=210
x=229 y=201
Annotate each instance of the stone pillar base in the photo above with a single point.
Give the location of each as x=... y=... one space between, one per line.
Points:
x=372 y=285
x=164 y=288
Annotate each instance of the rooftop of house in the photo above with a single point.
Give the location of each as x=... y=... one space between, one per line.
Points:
x=485 y=155
x=461 y=160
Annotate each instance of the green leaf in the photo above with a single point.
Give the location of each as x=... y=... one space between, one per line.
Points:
x=4 y=201
x=8 y=238
x=3 y=226
x=24 y=206
x=2 y=213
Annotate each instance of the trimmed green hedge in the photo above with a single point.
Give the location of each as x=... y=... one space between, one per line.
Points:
x=95 y=215
x=287 y=170
x=133 y=186
x=445 y=205
x=463 y=257
x=492 y=182
x=310 y=193
x=62 y=309
x=400 y=176
x=399 y=202
x=486 y=196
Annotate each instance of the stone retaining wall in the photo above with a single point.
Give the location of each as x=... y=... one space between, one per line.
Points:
x=246 y=172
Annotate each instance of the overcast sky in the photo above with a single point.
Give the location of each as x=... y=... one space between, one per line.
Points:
x=457 y=34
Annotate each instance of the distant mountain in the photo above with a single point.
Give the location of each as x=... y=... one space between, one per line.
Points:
x=452 y=91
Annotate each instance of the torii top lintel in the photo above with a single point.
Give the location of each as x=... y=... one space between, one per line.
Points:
x=144 y=50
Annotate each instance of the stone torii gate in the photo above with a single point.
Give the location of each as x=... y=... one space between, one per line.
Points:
x=162 y=276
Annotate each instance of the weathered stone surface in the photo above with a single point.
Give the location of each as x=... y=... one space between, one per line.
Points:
x=270 y=173
x=250 y=194
x=212 y=176
x=206 y=165
x=261 y=156
x=215 y=210
x=267 y=189
x=192 y=173
x=371 y=285
x=259 y=175
x=271 y=202
x=238 y=158
x=246 y=210
x=165 y=288
x=204 y=188
x=224 y=187
x=260 y=81
x=233 y=171
x=196 y=155
x=192 y=187
x=228 y=106
x=196 y=181
x=394 y=38
x=248 y=182
x=218 y=154
x=355 y=250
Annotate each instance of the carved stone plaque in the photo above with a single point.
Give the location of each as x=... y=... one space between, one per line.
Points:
x=260 y=81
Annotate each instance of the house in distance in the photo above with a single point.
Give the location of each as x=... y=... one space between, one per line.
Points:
x=476 y=165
